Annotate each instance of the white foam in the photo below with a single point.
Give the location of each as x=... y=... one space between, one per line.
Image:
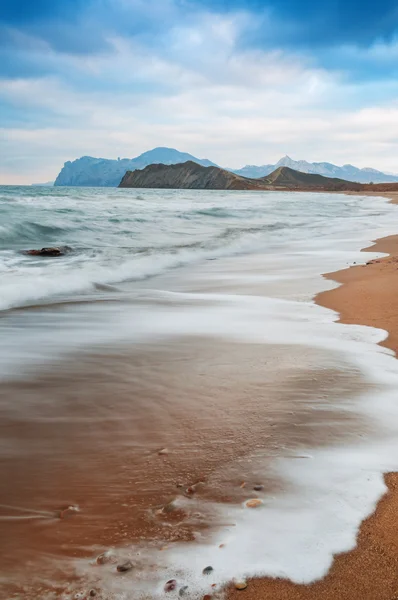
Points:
x=323 y=500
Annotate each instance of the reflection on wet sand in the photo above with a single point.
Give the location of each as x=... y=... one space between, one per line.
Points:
x=138 y=446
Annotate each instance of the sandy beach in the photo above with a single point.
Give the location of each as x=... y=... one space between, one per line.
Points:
x=158 y=443
x=367 y=296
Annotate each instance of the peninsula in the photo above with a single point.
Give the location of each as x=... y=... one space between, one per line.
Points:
x=191 y=175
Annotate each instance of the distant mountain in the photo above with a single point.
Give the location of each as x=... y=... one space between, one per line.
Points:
x=188 y=175
x=103 y=172
x=90 y=171
x=346 y=172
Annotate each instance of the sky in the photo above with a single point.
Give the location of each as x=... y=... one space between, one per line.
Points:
x=236 y=81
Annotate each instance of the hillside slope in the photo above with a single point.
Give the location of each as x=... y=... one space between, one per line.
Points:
x=290 y=179
x=188 y=175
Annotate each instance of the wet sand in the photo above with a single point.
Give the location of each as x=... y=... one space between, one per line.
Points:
x=90 y=431
x=96 y=447
x=368 y=295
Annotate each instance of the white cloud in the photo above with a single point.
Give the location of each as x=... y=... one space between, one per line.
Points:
x=200 y=95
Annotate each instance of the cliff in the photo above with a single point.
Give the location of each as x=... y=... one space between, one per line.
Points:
x=103 y=172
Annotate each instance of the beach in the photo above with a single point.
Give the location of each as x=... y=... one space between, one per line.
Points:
x=367 y=296
x=161 y=406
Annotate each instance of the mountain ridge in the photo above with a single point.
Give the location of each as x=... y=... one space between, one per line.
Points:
x=190 y=175
x=103 y=172
x=347 y=172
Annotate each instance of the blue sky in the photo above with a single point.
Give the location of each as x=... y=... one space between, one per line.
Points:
x=236 y=81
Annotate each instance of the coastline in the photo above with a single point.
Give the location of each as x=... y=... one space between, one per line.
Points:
x=367 y=295
x=133 y=426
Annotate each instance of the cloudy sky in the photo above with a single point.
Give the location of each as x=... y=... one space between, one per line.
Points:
x=236 y=81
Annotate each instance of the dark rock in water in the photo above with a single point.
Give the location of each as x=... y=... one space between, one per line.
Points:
x=207 y=570
x=258 y=488
x=183 y=591
x=124 y=567
x=51 y=252
x=170 y=585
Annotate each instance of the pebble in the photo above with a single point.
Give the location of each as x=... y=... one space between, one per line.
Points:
x=207 y=570
x=163 y=452
x=170 y=585
x=170 y=507
x=124 y=567
x=207 y=597
x=105 y=558
x=92 y=593
x=79 y=596
x=240 y=585
x=254 y=503
x=68 y=511
x=183 y=591
x=258 y=488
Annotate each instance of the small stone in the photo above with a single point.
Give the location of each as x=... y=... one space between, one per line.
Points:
x=207 y=570
x=258 y=488
x=190 y=490
x=124 y=567
x=105 y=558
x=170 y=585
x=243 y=484
x=163 y=452
x=207 y=597
x=254 y=503
x=221 y=546
x=68 y=511
x=183 y=591
x=92 y=593
x=170 y=507
x=240 y=585
x=79 y=596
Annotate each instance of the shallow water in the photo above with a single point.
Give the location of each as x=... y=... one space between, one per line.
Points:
x=184 y=320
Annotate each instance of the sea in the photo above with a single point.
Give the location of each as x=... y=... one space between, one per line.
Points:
x=169 y=368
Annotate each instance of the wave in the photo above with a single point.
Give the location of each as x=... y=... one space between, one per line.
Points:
x=29 y=231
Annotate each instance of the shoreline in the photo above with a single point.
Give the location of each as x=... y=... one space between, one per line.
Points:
x=366 y=296
x=132 y=429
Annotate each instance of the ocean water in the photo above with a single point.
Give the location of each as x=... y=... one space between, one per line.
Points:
x=209 y=295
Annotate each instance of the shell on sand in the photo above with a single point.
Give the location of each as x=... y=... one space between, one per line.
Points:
x=253 y=503
x=240 y=585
